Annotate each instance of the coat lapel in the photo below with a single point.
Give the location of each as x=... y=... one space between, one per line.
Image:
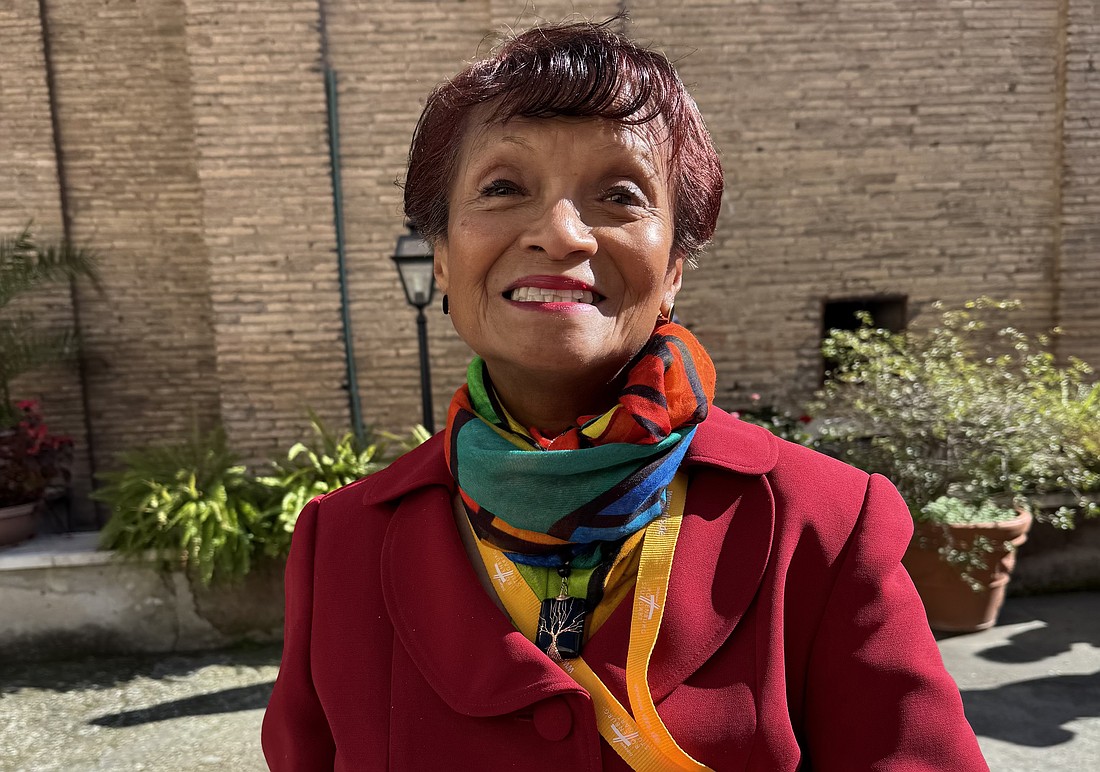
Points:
x=463 y=645
x=468 y=649
x=724 y=547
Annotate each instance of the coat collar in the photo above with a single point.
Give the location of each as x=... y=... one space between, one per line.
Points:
x=721 y=441
x=467 y=648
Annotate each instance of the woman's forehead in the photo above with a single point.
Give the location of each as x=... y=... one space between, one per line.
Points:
x=600 y=136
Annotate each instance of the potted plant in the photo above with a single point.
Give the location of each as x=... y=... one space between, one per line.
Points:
x=192 y=503
x=323 y=464
x=973 y=422
x=31 y=458
x=196 y=505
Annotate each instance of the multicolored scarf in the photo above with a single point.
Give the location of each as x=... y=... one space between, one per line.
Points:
x=595 y=484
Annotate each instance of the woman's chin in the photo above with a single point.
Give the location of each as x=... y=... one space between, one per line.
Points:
x=562 y=360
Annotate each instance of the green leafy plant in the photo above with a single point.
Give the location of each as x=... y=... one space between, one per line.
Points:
x=26 y=266
x=963 y=413
x=964 y=409
x=954 y=511
x=192 y=501
x=195 y=501
x=784 y=424
x=312 y=469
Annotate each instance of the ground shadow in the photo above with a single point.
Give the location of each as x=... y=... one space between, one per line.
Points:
x=224 y=701
x=100 y=672
x=1033 y=713
x=1067 y=619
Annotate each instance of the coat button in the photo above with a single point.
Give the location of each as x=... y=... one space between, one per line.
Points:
x=553 y=719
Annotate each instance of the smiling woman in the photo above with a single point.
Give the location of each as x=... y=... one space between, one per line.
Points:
x=592 y=567
x=557 y=259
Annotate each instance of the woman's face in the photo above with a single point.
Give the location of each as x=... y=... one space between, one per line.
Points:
x=557 y=254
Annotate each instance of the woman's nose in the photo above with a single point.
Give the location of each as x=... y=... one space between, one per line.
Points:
x=560 y=231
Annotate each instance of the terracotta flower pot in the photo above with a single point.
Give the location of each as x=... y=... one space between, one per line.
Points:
x=17 y=523
x=949 y=601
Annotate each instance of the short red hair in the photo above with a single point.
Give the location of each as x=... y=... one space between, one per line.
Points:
x=578 y=70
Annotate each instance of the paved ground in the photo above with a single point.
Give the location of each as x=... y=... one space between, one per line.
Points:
x=1031 y=687
x=178 y=713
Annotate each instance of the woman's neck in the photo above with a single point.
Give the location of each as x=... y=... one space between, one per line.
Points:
x=552 y=405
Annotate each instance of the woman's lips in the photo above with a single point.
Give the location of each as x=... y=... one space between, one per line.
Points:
x=551 y=289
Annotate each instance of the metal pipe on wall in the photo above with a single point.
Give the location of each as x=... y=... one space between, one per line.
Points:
x=332 y=103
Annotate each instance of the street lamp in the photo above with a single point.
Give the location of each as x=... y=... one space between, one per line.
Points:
x=415 y=266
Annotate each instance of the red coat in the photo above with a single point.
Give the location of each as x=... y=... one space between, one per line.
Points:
x=792 y=637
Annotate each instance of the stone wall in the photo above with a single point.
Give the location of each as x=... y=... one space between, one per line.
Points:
x=935 y=150
x=128 y=144
x=258 y=103
x=63 y=597
x=1078 y=270
x=30 y=193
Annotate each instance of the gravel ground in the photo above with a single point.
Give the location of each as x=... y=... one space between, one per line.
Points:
x=1031 y=687
x=178 y=712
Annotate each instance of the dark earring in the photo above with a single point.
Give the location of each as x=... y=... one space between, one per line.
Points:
x=446 y=306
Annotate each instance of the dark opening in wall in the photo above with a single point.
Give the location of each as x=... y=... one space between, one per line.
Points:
x=887 y=311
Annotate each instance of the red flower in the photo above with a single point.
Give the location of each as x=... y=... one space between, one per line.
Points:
x=805 y=419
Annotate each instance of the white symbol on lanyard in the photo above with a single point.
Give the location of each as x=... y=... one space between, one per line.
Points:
x=501 y=575
x=651 y=601
x=626 y=739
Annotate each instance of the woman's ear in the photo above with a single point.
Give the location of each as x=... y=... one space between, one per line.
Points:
x=440 y=266
x=673 y=281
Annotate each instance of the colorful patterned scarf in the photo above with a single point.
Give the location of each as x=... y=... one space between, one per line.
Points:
x=595 y=484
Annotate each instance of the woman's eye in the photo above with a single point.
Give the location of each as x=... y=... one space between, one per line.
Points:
x=500 y=188
x=625 y=195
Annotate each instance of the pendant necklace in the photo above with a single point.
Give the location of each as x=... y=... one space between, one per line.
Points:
x=561 y=622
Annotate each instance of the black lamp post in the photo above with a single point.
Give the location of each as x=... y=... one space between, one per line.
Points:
x=415 y=265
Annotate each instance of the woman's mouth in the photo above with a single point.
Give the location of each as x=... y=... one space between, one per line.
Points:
x=547 y=295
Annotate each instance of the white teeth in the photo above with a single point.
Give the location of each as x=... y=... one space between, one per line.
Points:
x=542 y=295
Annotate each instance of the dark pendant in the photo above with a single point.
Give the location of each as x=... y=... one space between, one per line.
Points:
x=561 y=628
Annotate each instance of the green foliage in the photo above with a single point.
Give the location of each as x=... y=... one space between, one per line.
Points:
x=196 y=501
x=192 y=500
x=328 y=462
x=25 y=266
x=782 y=423
x=954 y=511
x=965 y=409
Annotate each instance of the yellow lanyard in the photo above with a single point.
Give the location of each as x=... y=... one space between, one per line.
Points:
x=642 y=741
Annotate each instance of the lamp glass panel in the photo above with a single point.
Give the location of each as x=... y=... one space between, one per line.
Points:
x=416 y=275
x=412 y=246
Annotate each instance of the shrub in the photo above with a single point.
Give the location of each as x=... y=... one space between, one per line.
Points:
x=782 y=423
x=192 y=500
x=964 y=409
x=195 y=501
x=328 y=462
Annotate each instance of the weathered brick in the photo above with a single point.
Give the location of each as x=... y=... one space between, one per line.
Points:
x=939 y=150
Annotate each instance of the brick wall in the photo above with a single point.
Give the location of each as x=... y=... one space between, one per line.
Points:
x=29 y=191
x=871 y=148
x=123 y=96
x=1078 y=275
x=258 y=104
x=938 y=150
